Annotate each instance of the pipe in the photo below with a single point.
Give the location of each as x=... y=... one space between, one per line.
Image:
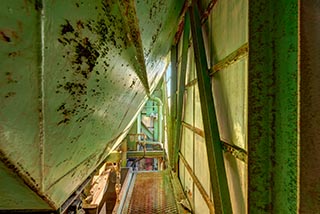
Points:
x=151 y=143
x=139 y=127
x=160 y=117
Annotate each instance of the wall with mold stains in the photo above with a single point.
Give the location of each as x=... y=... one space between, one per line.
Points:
x=73 y=76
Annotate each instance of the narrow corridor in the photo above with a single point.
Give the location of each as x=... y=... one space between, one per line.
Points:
x=150 y=192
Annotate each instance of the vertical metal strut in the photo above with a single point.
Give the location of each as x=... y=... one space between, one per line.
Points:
x=182 y=81
x=218 y=177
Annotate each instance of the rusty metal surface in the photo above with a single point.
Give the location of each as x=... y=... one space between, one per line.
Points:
x=207 y=11
x=73 y=76
x=19 y=88
x=13 y=191
x=158 y=21
x=309 y=119
x=234 y=57
x=152 y=193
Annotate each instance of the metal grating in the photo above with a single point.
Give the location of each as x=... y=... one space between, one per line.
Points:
x=152 y=193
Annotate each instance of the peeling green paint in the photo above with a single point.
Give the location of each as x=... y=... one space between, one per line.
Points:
x=272 y=113
x=69 y=66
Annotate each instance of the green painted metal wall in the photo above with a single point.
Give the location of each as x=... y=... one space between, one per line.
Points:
x=273 y=107
x=73 y=76
x=15 y=195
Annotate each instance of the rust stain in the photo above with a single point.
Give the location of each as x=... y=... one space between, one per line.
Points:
x=8 y=35
x=66 y=28
x=82 y=53
x=26 y=2
x=4 y=37
x=24 y=175
x=38 y=5
x=14 y=54
x=83 y=59
x=80 y=25
x=179 y=32
x=9 y=78
x=155 y=9
x=181 y=21
x=207 y=12
x=10 y=94
x=133 y=35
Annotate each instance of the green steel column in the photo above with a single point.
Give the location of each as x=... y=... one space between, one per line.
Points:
x=174 y=77
x=218 y=177
x=160 y=117
x=173 y=104
x=272 y=106
x=139 y=130
x=180 y=95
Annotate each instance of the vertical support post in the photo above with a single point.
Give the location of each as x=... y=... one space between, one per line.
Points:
x=117 y=169
x=173 y=104
x=124 y=149
x=218 y=177
x=139 y=123
x=181 y=89
x=272 y=106
x=309 y=107
x=174 y=77
x=160 y=116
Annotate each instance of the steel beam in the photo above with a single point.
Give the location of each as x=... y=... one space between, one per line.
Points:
x=181 y=89
x=146 y=131
x=235 y=56
x=192 y=83
x=194 y=129
x=181 y=24
x=131 y=25
x=234 y=150
x=207 y=12
x=272 y=106
x=197 y=182
x=147 y=154
x=113 y=157
x=218 y=177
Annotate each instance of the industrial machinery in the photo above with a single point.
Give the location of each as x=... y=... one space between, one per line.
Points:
x=159 y=106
